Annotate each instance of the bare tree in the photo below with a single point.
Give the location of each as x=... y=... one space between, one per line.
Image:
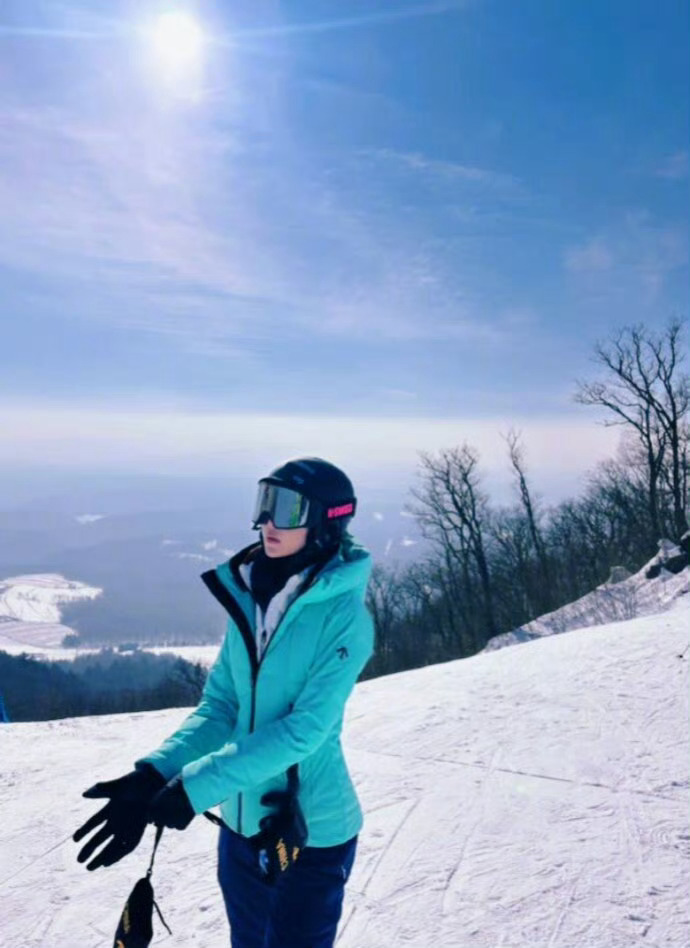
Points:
x=383 y=600
x=452 y=511
x=517 y=462
x=512 y=568
x=408 y=607
x=646 y=389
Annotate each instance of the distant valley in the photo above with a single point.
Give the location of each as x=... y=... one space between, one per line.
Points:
x=147 y=565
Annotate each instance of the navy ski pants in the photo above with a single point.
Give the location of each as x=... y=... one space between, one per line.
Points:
x=301 y=910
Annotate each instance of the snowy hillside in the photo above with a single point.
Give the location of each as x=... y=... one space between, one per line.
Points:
x=30 y=610
x=527 y=798
x=634 y=596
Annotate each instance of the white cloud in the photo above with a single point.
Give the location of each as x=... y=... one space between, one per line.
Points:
x=448 y=171
x=178 y=221
x=675 y=167
x=632 y=260
x=119 y=199
x=594 y=255
x=172 y=224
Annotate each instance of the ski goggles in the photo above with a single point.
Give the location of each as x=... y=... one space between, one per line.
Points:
x=288 y=509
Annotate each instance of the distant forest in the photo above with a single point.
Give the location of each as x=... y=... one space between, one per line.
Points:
x=102 y=683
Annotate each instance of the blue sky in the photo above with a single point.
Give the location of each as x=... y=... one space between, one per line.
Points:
x=361 y=227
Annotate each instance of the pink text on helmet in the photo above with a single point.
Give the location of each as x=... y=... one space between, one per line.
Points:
x=341 y=511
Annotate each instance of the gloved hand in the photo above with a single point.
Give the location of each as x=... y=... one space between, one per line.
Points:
x=124 y=815
x=282 y=835
x=171 y=807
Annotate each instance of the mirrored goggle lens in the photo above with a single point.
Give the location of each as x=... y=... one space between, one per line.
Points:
x=285 y=508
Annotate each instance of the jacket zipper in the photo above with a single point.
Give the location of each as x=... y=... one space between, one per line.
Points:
x=232 y=606
x=252 y=717
x=228 y=601
x=256 y=664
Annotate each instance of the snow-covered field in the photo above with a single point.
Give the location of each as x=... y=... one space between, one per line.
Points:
x=41 y=639
x=30 y=620
x=533 y=797
x=30 y=610
x=196 y=654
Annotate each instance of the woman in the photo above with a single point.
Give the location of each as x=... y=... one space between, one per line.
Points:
x=264 y=742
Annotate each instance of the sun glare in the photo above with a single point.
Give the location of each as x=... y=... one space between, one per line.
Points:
x=177 y=41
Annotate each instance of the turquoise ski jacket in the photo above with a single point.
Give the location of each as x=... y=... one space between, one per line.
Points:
x=257 y=718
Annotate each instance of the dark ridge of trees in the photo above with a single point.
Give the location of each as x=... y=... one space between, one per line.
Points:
x=103 y=683
x=492 y=569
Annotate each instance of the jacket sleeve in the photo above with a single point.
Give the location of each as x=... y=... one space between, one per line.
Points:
x=207 y=728
x=345 y=647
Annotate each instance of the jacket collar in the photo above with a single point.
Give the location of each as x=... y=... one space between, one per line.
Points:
x=348 y=570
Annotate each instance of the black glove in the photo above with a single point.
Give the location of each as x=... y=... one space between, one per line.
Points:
x=282 y=835
x=124 y=815
x=171 y=807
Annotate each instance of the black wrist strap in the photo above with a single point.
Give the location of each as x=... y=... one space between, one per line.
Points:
x=159 y=833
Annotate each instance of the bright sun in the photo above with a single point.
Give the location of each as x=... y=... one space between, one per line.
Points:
x=177 y=42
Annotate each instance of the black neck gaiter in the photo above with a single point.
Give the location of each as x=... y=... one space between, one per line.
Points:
x=269 y=574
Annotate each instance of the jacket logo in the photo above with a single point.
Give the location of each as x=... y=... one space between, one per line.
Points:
x=342 y=652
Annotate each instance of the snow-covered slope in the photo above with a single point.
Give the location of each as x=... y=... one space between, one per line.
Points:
x=30 y=609
x=37 y=597
x=635 y=596
x=528 y=798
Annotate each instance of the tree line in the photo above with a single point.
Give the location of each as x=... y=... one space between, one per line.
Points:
x=493 y=568
x=102 y=683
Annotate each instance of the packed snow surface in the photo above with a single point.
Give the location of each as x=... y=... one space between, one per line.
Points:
x=533 y=797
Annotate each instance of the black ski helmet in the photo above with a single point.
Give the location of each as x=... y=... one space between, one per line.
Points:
x=328 y=487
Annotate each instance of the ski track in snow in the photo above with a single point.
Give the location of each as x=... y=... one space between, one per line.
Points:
x=532 y=797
